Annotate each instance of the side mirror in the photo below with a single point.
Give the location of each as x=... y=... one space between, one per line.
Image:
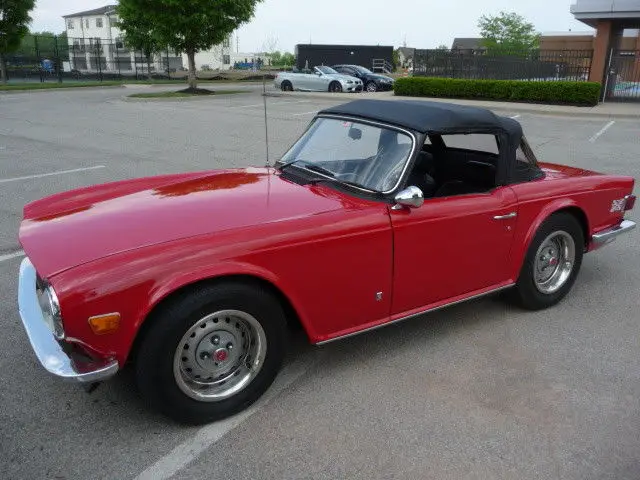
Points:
x=411 y=197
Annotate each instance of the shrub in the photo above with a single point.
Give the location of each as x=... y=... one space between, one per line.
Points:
x=556 y=92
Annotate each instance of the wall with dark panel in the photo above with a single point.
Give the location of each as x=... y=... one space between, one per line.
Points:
x=329 y=55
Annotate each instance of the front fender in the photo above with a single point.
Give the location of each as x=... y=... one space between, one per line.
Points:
x=164 y=289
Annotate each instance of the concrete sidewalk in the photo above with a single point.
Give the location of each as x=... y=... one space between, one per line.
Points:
x=615 y=110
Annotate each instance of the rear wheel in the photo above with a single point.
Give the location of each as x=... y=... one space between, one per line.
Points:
x=212 y=352
x=286 y=86
x=552 y=263
x=335 y=87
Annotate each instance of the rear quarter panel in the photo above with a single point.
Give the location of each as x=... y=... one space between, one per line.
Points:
x=564 y=188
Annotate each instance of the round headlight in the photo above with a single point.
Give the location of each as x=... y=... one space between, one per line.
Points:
x=51 y=311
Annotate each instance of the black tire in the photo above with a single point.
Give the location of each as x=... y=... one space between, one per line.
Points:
x=286 y=86
x=371 y=87
x=526 y=293
x=155 y=359
x=335 y=87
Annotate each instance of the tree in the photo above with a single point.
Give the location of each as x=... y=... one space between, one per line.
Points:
x=187 y=26
x=508 y=32
x=14 y=24
x=442 y=47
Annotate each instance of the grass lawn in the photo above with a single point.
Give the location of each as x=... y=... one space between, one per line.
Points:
x=184 y=94
x=51 y=85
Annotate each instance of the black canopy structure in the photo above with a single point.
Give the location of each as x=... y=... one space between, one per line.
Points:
x=428 y=117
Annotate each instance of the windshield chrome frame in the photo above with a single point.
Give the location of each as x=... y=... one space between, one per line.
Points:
x=409 y=133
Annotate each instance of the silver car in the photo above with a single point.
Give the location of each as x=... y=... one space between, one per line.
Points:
x=321 y=79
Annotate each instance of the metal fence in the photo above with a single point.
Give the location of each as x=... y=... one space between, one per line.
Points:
x=537 y=65
x=58 y=59
x=623 y=81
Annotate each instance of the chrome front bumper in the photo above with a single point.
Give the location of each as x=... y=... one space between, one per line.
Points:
x=609 y=235
x=49 y=352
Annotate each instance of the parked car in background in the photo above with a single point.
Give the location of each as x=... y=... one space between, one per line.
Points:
x=320 y=79
x=373 y=82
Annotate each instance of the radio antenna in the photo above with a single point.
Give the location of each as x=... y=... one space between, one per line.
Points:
x=266 y=123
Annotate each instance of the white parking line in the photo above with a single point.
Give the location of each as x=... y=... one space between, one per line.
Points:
x=208 y=435
x=601 y=132
x=42 y=175
x=304 y=113
x=515 y=117
x=11 y=256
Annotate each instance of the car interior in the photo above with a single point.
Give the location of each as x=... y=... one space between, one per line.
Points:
x=441 y=170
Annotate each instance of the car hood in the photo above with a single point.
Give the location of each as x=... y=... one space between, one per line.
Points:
x=79 y=226
x=379 y=77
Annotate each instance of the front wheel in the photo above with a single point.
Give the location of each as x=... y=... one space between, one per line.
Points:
x=371 y=87
x=212 y=353
x=552 y=263
x=335 y=87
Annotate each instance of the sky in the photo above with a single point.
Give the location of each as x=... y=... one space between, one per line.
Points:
x=422 y=24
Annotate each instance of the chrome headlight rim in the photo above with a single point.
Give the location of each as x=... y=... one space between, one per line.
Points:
x=51 y=311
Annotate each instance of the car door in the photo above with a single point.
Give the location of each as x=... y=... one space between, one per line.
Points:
x=450 y=248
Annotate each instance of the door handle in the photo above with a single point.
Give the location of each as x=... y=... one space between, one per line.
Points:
x=506 y=217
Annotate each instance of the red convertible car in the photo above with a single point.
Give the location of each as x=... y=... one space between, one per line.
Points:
x=381 y=211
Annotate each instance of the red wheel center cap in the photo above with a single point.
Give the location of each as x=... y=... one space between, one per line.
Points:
x=221 y=355
x=553 y=262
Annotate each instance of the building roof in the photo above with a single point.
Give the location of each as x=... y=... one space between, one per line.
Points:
x=467 y=44
x=96 y=11
x=428 y=117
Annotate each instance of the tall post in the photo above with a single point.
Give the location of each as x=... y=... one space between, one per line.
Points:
x=58 y=57
x=39 y=60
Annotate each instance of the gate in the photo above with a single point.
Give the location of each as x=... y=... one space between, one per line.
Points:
x=623 y=82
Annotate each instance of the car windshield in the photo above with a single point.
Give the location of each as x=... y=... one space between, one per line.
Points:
x=363 y=70
x=355 y=153
x=327 y=70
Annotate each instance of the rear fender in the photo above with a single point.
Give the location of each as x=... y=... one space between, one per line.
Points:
x=544 y=214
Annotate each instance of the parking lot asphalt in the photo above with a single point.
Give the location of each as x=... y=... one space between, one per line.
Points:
x=479 y=391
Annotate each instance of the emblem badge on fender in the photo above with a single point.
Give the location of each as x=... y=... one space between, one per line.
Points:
x=618 y=205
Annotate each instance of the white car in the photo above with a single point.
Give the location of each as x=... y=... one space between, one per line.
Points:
x=321 y=79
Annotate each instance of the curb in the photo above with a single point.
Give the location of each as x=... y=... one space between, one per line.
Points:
x=180 y=99
x=534 y=109
x=64 y=89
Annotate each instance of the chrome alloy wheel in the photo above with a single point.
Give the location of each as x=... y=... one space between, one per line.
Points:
x=219 y=355
x=554 y=262
x=372 y=87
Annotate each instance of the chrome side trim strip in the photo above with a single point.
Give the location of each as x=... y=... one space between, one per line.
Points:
x=429 y=310
x=609 y=235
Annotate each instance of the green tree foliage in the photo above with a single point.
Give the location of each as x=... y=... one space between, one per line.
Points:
x=187 y=26
x=508 y=32
x=14 y=24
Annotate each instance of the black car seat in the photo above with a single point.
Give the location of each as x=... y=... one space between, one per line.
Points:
x=421 y=175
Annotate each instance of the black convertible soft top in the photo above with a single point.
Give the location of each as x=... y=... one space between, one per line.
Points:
x=428 y=117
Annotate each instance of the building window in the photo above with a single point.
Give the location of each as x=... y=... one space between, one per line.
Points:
x=70 y=24
x=99 y=22
x=226 y=59
x=226 y=43
x=86 y=23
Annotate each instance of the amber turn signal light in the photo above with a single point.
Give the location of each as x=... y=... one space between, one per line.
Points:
x=103 y=324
